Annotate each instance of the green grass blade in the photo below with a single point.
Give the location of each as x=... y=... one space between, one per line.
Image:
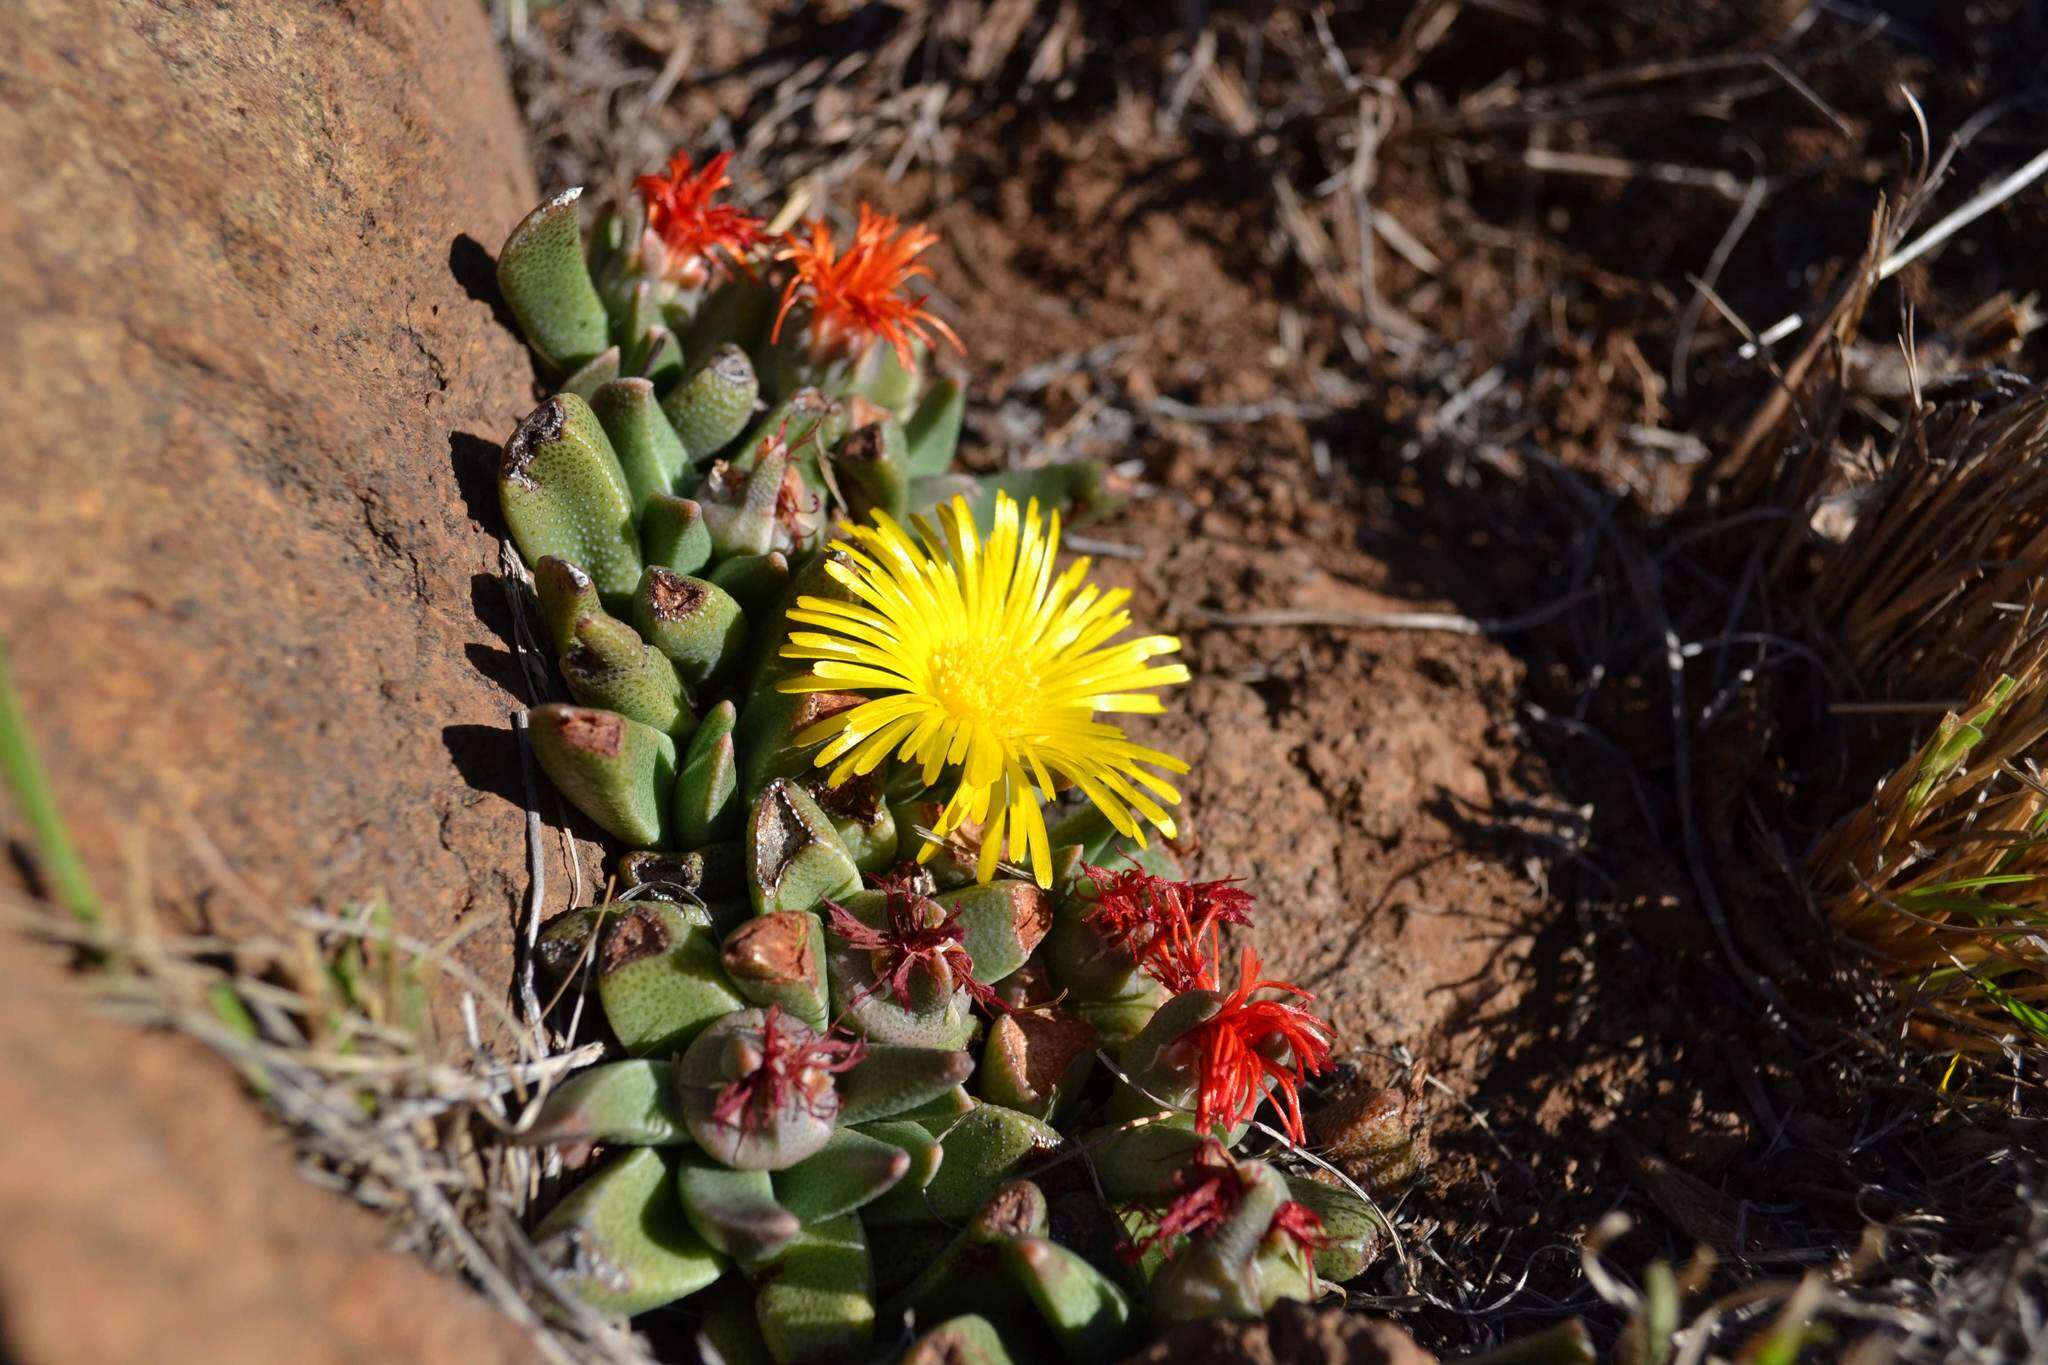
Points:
x=21 y=771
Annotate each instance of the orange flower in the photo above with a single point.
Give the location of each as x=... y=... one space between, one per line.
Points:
x=1238 y=1046
x=680 y=212
x=854 y=295
x=1172 y=929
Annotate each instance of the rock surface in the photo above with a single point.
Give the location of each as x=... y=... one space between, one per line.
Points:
x=152 y=1216
x=253 y=388
x=241 y=578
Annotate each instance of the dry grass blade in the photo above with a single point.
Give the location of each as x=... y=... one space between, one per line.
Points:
x=1949 y=538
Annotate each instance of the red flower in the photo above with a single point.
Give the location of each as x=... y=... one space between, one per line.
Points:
x=919 y=932
x=1302 y=1223
x=1200 y=1198
x=680 y=212
x=788 y=1070
x=854 y=294
x=1238 y=1046
x=1173 y=929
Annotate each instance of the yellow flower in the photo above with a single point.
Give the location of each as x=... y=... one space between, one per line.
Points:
x=978 y=659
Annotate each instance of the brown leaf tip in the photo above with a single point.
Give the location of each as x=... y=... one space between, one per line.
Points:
x=671 y=596
x=542 y=427
x=598 y=733
x=639 y=933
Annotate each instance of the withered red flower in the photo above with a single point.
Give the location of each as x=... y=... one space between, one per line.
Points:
x=1241 y=1046
x=790 y=1069
x=681 y=212
x=1204 y=1195
x=1199 y=1199
x=1173 y=929
x=855 y=295
x=917 y=931
x=1302 y=1223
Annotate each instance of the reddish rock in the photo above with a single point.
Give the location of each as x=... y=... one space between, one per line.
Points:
x=152 y=1214
x=244 y=566
x=248 y=536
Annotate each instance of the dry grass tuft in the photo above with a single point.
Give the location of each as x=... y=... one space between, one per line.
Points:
x=330 y=1027
x=1942 y=875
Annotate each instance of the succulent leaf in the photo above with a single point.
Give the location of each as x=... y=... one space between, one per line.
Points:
x=1004 y=922
x=891 y=1081
x=969 y=1339
x=563 y=494
x=710 y=406
x=740 y=505
x=932 y=432
x=617 y=771
x=567 y=595
x=541 y=273
x=612 y=668
x=957 y=1280
x=779 y=959
x=1087 y=1312
x=870 y=468
x=735 y=1211
x=694 y=622
x=1033 y=1061
x=660 y=977
x=627 y=1103
x=756 y=582
x=819 y=1304
x=707 y=807
x=728 y=1331
x=797 y=857
x=852 y=1170
x=769 y=728
x=1356 y=1231
x=594 y=374
x=672 y=534
x=923 y=1149
x=650 y=453
x=567 y=944
x=1136 y=1162
x=984 y=1148
x=619 y=1241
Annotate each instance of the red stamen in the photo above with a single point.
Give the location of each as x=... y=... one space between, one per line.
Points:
x=1172 y=929
x=1234 y=1046
x=789 y=1071
x=1302 y=1223
x=680 y=212
x=856 y=292
x=1201 y=1198
x=918 y=933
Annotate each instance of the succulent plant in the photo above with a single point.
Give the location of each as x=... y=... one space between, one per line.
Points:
x=894 y=887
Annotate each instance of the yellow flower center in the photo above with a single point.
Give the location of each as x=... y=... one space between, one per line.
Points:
x=984 y=682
